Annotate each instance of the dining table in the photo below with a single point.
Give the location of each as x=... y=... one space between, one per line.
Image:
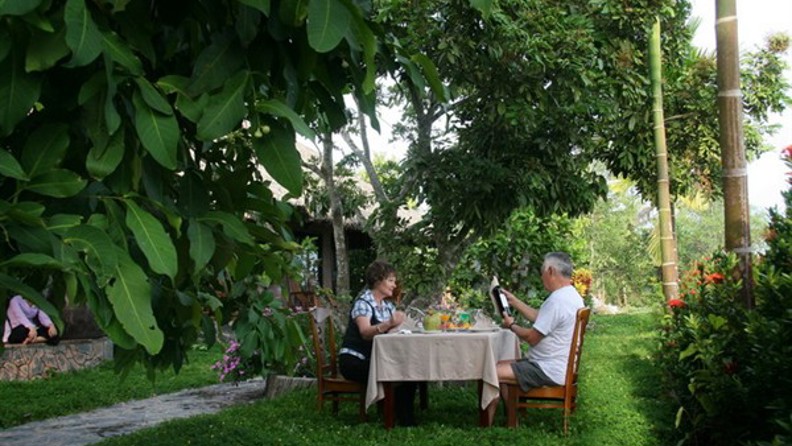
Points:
x=449 y=355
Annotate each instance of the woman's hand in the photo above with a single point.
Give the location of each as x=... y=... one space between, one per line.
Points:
x=52 y=331
x=31 y=337
x=397 y=318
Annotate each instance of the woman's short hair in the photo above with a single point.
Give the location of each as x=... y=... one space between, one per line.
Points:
x=560 y=261
x=378 y=271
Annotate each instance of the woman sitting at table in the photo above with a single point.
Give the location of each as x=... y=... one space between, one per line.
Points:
x=373 y=313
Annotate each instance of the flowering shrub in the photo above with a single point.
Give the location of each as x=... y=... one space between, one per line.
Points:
x=769 y=330
x=233 y=366
x=702 y=347
x=581 y=279
x=269 y=336
x=729 y=369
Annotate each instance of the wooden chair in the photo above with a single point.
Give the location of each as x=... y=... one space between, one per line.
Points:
x=301 y=298
x=332 y=386
x=556 y=397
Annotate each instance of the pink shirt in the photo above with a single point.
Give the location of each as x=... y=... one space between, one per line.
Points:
x=20 y=312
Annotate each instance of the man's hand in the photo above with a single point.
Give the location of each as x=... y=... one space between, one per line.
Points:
x=513 y=300
x=523 y=308
x=507 y=320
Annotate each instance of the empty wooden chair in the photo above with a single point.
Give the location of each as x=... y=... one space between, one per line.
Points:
x=556 y=397
x=298 y=297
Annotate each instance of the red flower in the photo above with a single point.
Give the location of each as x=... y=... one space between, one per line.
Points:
x=676 y=303
x=730 y=368
x=714 y=278
x=786 y=153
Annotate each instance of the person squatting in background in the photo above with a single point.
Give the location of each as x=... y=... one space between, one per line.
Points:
x=26 y=324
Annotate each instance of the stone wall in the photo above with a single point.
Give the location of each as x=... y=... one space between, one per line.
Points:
x=24 y=362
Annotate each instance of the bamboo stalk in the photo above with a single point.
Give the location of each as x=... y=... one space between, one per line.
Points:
x=737 y=229
x=667 y=241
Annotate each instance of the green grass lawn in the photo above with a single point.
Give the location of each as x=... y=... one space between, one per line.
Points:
x=619 y=404
x=84 y=390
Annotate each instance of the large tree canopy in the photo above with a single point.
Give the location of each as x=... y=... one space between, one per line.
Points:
x=538 y=89
x=129 y=182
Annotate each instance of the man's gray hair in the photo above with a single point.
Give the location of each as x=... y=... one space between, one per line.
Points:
x=560 y=261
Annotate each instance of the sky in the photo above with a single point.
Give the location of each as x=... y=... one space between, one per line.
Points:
x=756 y=19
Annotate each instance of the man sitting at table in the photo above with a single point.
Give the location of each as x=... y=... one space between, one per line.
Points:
x=552 y=330
x=374 y=313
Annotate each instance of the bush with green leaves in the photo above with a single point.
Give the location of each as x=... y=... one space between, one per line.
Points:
x=769 y=330
x=703 y=352
x=729 y=368
x=515 y=254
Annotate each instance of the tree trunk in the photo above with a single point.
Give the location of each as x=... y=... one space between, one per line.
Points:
x=667 y=241
x=735 y=175
x=337 y=217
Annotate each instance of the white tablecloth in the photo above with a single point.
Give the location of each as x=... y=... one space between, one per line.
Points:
x=442 y=356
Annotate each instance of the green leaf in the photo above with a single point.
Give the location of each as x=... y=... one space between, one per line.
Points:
x=34 y=260
x=193 y=196
x=717 y=322
x=159 y=134
x=57 y=183
x=202 y=244
x=45 y=148
x=27 y=213
x=431 y=75
x=61 y=222
x=153 y=97
x=5 y=43
x=119 y=52
x=18 y=7
x=174 y=84
x=45 y=49
x=102 y=162
x=112 y=118
x=82 y=34
x=328 y=21
x=130 y=295
x=18 y=92
x=232 y=226
x=216 y=63
x=247 y=24
x=484 y=7
x=690 y=350
x=152 y=239
x=192 y=110
x=278 y=108
x=116 y=332
x=261 y=5
x=362 y=35
x=278 y=154
x=100 y=251
x=224 y=110
x=10 y=167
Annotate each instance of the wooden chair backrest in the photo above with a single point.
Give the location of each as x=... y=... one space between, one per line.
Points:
x=299 y=297
x=323 y=333
x=576 y=347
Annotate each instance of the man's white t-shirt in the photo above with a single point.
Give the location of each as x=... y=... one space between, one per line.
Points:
x=556 y=321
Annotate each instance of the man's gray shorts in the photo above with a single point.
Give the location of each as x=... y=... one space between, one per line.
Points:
x=529 y=375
